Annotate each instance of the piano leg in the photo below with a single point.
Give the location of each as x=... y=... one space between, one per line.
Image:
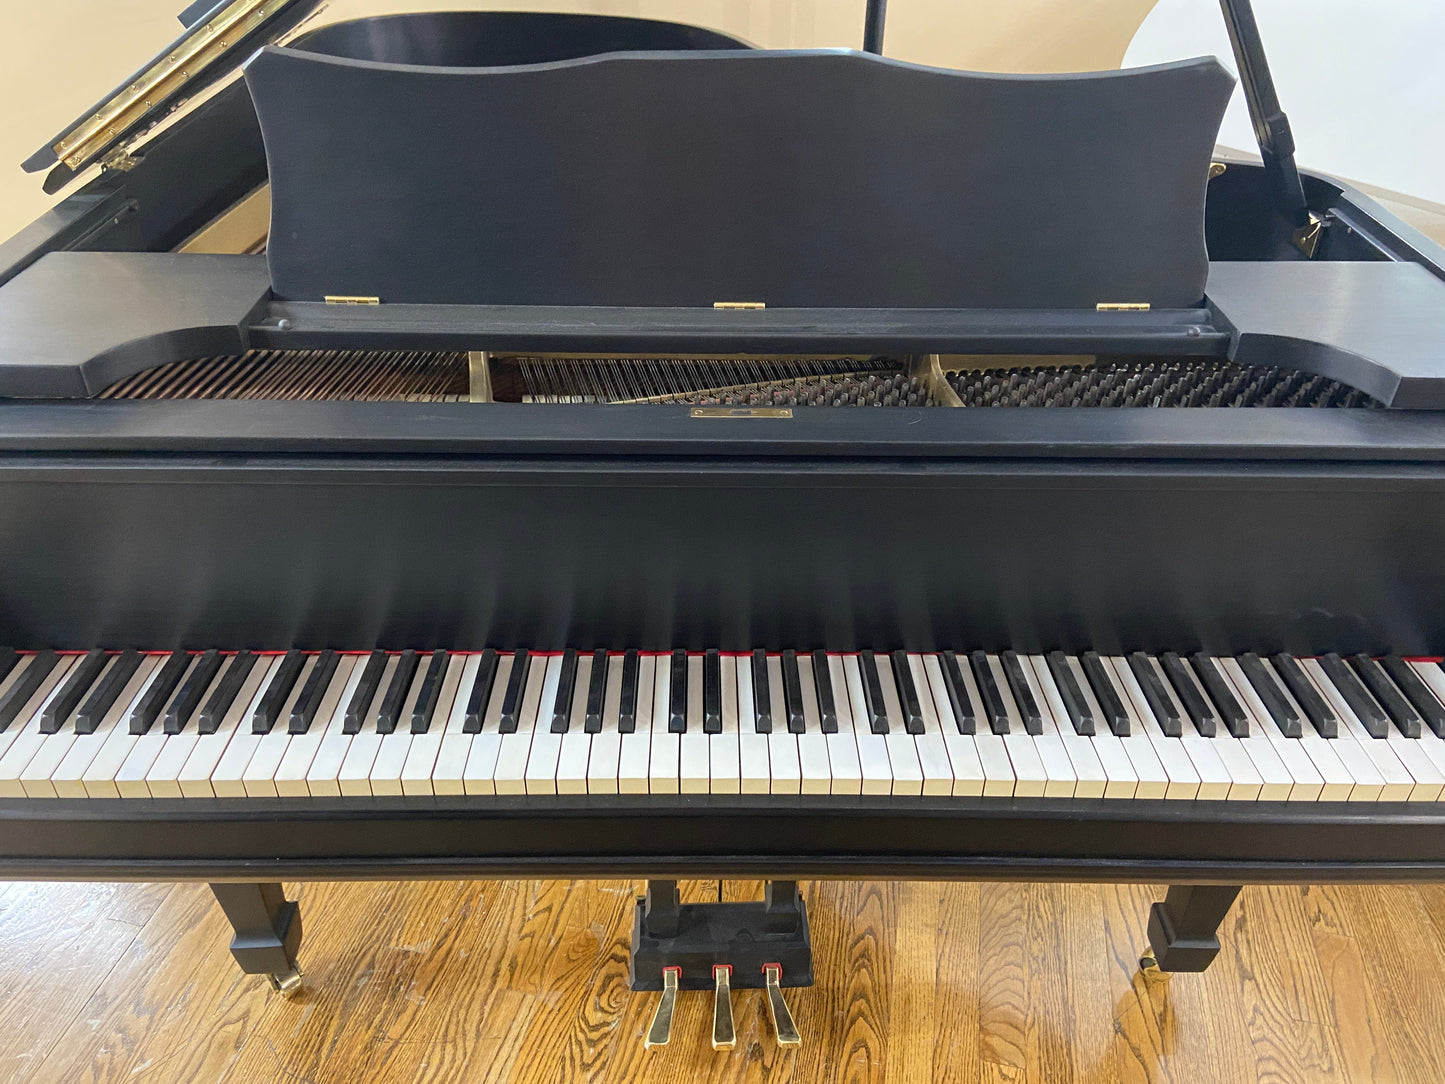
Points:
x=268 y=932
x=1183 y=929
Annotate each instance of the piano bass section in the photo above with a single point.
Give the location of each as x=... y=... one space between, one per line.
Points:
x=496 y=510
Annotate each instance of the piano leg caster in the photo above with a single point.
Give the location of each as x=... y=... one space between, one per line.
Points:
x=1183 y=930
x=267 y=930
x=755 y=945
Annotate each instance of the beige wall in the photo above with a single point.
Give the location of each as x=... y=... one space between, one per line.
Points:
x=57 y=57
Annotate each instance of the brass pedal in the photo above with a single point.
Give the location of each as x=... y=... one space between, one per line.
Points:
x=724 y=1036
x=661 y=1030
x=783 y=1025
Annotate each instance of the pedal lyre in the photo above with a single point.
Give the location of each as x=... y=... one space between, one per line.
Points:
x=661 y=1030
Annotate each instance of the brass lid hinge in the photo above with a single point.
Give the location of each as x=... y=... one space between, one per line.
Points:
x=351 y=299
x=739 y=305
x=1122 y=306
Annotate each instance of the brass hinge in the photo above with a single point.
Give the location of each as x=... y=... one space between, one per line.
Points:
x=741 y=412
x=739 y=305
x=351 y=299
x=1215 y=169
x=1122 y=306
x=119 y=159
x=1307 y=237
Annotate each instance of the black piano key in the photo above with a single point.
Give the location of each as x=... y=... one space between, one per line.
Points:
x=596 y=692
x=389 y=713
x=823 y=682
x=1416 y=691
x=430 y=693
x=1273 y=696
x=793 y=693
x=19 y=694
x=512 y=698
x=1370 y=714
x=566 y=686
x=103 y=698
x=1110 y=702
x=677 y=702
x=958 y=698
x=712 y=692
x=1319 y=713
x=144 y=714
x=1165 y=713
x=1195 y=705
x=283 y=680
x=76 y=683
x=9 y=659
x=907 y=693
x=303 y=712
x=188 y=696
x=1390 y=698
x=1215 y=684
x=1013 y=671
x=627 y=702
x=364 y=693
x=215 y=708
x=993 y=706
x=873 y=693
x=762 y=696
x=1080 y=714
x=481 y=692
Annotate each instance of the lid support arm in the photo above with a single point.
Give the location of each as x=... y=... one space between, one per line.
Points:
x=873 y=20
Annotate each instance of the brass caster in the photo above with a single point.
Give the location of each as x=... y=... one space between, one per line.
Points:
x=286 y=983
x=1147 y=962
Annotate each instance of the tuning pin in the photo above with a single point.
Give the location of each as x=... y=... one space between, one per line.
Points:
x=783 y=1025
x=724 y=1037
x=661 y=1030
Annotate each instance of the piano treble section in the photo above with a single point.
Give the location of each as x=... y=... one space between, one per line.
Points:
x=209 y=725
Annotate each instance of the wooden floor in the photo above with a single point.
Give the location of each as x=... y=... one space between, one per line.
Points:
x=527 y=981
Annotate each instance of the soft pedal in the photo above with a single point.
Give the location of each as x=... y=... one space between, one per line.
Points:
x=660 y=1033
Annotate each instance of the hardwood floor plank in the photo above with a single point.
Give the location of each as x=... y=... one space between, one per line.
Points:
x=434 y=982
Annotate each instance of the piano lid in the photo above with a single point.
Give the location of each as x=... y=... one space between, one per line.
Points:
x=797 y=179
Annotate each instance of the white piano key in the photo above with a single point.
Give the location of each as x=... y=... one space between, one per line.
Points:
x=1214 y=779
x=932 y=753
x=723 y=754
x=322 y=778
x=753 y=768
x=842 y=745
x=873 y=763
x=1430 y=743
x=99 y=778
x=259 y=776
x=26 y=725
x=787 y=771
x=692 y=745
x=421 y=758
x=1152 y=778
x=1336 y=780
x=68 y=778
x=961 y=750
x=902 y=752
x=662 y=772
x=634 y=758
x=1062 y=780
x=1354 y=746
x=11 y=732
x=604 y=762
x=1090 y=780
x=813 y=766
x=454 y=744
x=394 y=748
x=1244 y=779
x=210 y=750
x=540 y=775
x=133 y=779
x=354 y=778
x=1183 y=779
x=1305 y=781
x=162 y=779
x=1276 y=783
x=575 y=748
x=1123 y=779
x=515 y=749
x=1030 y=778
x=479 y=775
x=36 y=780
x=999 y=780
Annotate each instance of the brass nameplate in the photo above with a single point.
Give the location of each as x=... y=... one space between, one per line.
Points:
x=742 y=412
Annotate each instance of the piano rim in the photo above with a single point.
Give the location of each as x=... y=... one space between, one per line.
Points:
x=430 y=837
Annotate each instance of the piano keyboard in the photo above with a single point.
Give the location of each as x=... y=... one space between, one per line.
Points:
x=312 y=724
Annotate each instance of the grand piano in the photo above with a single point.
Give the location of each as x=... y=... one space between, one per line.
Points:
x=506 y=444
